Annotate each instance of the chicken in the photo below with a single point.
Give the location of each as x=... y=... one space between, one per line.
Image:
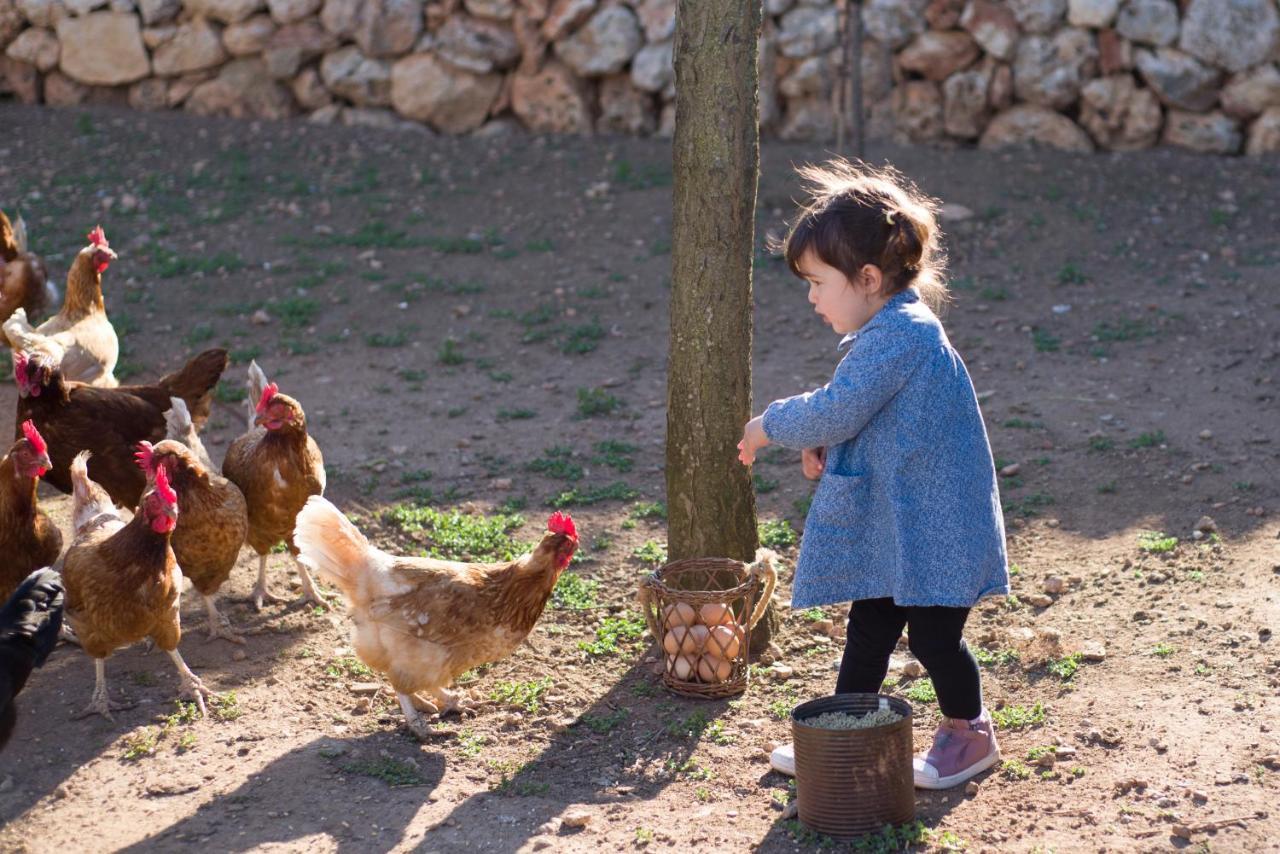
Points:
x=28 y=539
x=213 y=524
x=29 y=624
x=123 y=583
x=277 y=466
x=109 y=422
x=255 y=383
x=24 y=281
x=180 y=428
x=79 y=338
x=423 y=621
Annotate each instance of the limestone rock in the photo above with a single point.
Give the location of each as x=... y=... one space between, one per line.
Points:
x=1118 y=115
x=1050 y=71
x=226 y=11
x=807 y=31
x=993 y=26
x=196 y=45
x=80 y=8
x=1251 y=92
x=42 y=13
x=652 y=69
x=1153 y=22
x=427 y=89
x=249 y=37
x=890 y=22
x=625 y=108
x=149 y=95
x=243 y=89
x=340 y=17
x=553 y=100
x=61 y=91
x=564 y=16
x=964 y=102
x=364 y=81
x=1179 y=79
x=386 y=28
x=1234 y=35
x=1208 y=133
x=812 y=77
x=1264 y=134
x=657 y=19
x=937 y=55
x=1092 y=13
x=1027 y=123
x=917 y=110
x=944 y=14
x=1115 y=52
x=477 y=45
x=289 y=11
x=35 y=46
x=158 y=11
x=308 y=90
x=492 y=10
x=604 y=45
x=103 y=49
x=22 y=79
x=153 y=37
x=533 y=47
x=1038 y=16
x=1000 y=92
x=808 y=119
x=11 y=23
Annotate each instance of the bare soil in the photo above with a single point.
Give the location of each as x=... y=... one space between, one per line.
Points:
x=1119 y=315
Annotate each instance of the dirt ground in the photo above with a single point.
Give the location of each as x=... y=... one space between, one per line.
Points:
x=467 y=320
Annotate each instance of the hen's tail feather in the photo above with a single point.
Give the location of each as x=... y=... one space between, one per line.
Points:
x=329 y=544
x=255 y=383
x=195 y=381
x=20 y=233
x=178 y=427
x=22 y=335
x=88 y=499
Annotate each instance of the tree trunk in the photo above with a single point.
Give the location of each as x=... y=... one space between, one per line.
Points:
x=711 y=505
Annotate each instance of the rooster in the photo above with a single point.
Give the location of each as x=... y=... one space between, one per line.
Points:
x=28 y=539
x=423 y=621
x=213 y=524
x=277 y=466
x=79 y=338
x=109 y=422
x=24 y=281
x=122 y=580
x=29 y=625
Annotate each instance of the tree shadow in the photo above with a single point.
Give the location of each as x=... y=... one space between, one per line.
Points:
x=350 y=790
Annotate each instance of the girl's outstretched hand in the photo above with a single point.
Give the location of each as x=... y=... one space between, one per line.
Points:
x=812 y=462
x=753 y=439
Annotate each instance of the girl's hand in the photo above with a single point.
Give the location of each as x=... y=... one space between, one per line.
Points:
x=812 y=461
x=753 y=439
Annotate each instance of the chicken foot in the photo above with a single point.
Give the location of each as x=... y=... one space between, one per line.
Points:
x=309 y=591
x=413 y=718
x=260 y=593
x=218 y=629
x=191 y=685
x=101 y=703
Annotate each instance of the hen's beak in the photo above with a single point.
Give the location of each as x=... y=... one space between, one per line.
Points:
x=44 y=462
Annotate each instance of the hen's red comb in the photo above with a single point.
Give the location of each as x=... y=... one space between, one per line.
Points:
x=20 y=366
x=267 y=393
x=33 y=436
x=163 y=487
x=98 y=237
x=560 y=523
x=143 y=456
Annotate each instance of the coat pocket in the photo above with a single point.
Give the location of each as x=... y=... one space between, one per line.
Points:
x=841 y=501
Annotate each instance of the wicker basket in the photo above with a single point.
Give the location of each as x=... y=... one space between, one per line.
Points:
x=705 y=608
x=853 y=782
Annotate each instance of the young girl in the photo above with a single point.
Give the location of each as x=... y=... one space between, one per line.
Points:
x=906 y=521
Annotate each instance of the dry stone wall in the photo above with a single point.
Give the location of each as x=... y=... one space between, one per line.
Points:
x=1080 y=75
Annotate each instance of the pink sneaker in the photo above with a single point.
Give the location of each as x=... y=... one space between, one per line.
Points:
x=960 y=750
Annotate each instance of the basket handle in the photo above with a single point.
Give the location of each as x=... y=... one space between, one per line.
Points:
x=764 y=569
x=645 y=598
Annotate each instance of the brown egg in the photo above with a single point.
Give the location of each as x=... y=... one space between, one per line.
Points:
x=695 y=641
x=672 y=638
x=715 y=614
x=683 y=668
x=712 y=668
x=679 y=614
x=725 y=641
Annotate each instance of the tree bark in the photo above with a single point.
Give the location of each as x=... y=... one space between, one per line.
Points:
x=711 y=505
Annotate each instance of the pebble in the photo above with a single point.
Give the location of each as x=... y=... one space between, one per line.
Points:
x=1206 y=525
x=361 y=689
x=781 y=672
x=1010 y=470
x=1206 y=435
x=260 y=318
x=575 y=819
x=239 y=655
x=971 y=788
x=913 y=669
x=1038 y=600
x=1055 y=585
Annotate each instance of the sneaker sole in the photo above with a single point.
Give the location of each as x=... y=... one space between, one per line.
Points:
x=960 y=776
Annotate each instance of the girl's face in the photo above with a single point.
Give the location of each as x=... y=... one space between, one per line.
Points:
x=844 y=304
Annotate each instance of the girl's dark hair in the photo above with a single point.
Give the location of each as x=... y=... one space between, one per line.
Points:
x=860 y=215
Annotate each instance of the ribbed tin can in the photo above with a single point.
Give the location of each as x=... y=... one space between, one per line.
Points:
x=855 y=781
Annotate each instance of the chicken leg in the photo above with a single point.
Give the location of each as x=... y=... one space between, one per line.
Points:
x=452 y=703
x=191 y=685
x=101 y=703
x=260 y=593
x=413 y=718
x=216 y=627
x=309 y=591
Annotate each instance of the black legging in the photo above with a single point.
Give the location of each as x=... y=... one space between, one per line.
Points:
x=934 y=637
